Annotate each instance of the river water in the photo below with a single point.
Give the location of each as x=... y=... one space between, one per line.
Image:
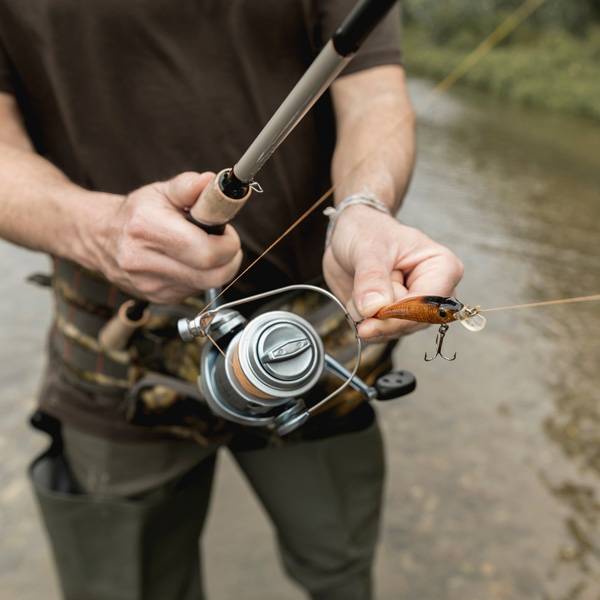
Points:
x=494 y=480
x=493 y=487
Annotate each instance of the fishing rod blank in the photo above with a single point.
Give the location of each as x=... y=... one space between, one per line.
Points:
x=231 y=188
x=329 y=63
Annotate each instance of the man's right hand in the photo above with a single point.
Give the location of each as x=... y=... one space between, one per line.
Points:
x=141 y=242
x=146 y=247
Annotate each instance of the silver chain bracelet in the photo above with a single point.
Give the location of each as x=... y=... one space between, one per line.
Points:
x=333 y=212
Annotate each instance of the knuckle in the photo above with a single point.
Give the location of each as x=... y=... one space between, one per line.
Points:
x=236 y=262
x=169 y=243
x=220 y=253
x=166 y=296
x=208 y=281
x=221 y=275
x=459 y=268
x=236 y=243
x=456 y=265
x=156 y=187
x=370 y=273
x=136 y=226
x=150 y=287
x=209 y=256
x=127 y=258
x=214 y=278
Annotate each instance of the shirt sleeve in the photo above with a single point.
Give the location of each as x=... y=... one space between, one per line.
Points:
x=6 y=78
x=382 y=47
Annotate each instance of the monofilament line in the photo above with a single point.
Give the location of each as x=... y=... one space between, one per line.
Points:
x=501 y=32
x=594 y=298
x=214 y=343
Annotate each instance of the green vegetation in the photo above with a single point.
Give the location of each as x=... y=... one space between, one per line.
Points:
x=552 y=60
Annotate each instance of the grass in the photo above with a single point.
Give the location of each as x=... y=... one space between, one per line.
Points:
x=550 y=69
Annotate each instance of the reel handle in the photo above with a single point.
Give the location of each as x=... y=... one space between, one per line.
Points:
x=390 y=386
x=394 y=384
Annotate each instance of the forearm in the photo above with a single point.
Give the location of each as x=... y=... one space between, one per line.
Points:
x=375 y=148
x=42 y=210
x=140 y=242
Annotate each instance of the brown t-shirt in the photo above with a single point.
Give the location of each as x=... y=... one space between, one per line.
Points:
x=119 y=93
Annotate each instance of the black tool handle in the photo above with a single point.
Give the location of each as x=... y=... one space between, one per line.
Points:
x=136 y=310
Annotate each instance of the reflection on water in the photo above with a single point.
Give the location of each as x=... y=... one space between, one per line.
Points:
x=507 y=439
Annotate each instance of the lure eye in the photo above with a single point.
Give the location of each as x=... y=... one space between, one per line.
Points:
x=442 y=313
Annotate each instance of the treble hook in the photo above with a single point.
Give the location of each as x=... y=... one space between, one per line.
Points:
x=439 y=340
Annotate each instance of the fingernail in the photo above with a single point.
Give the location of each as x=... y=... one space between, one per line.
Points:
x=372 y=302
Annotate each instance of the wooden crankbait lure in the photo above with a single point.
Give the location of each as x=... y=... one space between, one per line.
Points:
x=437 y=310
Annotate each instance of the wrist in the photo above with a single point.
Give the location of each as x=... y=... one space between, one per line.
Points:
x=363 y=205
x=92 y=221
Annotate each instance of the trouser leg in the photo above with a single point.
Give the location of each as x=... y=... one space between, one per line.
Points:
x=109 y=546
x=324 y=498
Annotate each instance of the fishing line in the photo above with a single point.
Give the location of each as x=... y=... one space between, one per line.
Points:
x=500 y=33
x=214 y=343
x=297 y=222
x=593 y=298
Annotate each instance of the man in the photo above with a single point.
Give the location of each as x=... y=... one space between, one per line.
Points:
x=107 y=110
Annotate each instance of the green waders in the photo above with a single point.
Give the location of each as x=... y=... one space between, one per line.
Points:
x=124 y=519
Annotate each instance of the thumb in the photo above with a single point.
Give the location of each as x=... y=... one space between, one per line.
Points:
x=183 y=190
x=372 y=286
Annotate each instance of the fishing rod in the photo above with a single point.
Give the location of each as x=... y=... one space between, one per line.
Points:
x=257 y=372
x=253 y=372
x=231 y=188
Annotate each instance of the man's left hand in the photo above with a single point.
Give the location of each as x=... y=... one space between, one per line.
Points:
x=373 y=260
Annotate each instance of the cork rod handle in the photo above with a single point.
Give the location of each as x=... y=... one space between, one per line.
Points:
x=213 y=209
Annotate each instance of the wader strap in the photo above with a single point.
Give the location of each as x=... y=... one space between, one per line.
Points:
x=152 y=380
x=83 y=320
x=91 y=364
x=89 y=287
x=84 y=303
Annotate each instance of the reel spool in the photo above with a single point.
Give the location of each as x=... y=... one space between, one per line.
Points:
x=255 y=373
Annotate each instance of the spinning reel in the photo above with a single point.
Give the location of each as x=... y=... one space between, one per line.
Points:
x=256 y=372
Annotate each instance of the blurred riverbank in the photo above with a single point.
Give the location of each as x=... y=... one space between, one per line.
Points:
x=551 y=61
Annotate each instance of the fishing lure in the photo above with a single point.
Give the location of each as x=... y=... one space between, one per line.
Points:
x=437 y=310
